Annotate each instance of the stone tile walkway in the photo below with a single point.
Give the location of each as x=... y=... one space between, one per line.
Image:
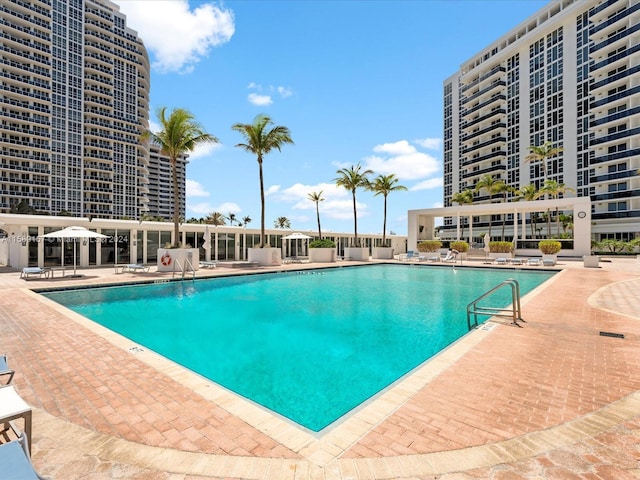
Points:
x=553 y=400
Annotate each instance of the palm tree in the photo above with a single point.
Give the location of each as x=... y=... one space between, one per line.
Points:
x=232 y=218
x=464 y=197
x=491 y=185
x=503 y=188
x=529 y=193
x=282 y=222
x=542 y=153
x=351 y=179
x=260 y=140
x=384 y=185
x=216 y=219
x=245 y=220
x=554 y=189
x=317 y=197
x=180 y=134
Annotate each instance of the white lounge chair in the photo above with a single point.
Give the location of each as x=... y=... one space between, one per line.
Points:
x=516 y=261
x=5 y=370
x=32 y=271
x=208 y=264
x=134 y=267
x=407 y=256
x=534 y=262
x=500 y=261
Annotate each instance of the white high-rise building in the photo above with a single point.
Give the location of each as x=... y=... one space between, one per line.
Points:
x=569 y=75
x=73 y=105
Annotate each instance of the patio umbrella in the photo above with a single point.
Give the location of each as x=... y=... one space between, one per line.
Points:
x=486 y=248
x=207 y=239
x=72 y=233
x=297 y=236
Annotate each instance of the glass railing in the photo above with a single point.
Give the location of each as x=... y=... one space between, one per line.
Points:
x=613 y=78
x=616 y=136
x=616 y=116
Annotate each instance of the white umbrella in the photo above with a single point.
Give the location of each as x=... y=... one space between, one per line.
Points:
x=486 y=248
x=72 y=233
x=207 y=239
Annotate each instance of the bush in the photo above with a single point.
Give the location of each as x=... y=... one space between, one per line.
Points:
x=500 y=247
x=323 y=243
x=429 y=245
x=460 y=246
x=549 y=247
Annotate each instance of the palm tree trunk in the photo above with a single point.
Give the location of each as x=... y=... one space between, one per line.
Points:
x=262 y=204
x=318 y=216
x=176 y=209
x=355 y=221
x=384 y=224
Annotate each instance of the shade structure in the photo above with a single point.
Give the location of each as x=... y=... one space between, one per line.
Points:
x=296 y=236
x=72 y=233
x=207 y=239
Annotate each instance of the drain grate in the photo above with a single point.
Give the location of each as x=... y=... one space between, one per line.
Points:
x=611 y=334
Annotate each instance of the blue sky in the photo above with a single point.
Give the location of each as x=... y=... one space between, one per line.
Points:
x=355 y=82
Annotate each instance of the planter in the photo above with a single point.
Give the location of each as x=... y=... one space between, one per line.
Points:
x=591 y=261
x=357 y=254
x=322 y=255
x=265 y=257
x=175 y=259
x=383 y=253
x=549 y=259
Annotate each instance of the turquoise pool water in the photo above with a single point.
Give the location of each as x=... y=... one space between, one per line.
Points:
x=310 y=346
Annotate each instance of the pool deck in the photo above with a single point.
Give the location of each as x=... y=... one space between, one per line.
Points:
x=555 y=400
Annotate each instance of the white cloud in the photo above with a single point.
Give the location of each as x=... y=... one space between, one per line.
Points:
x=430 y=143
x=273 y=189
x=429 y=184
x=401 y=147
x=204 y=150
x=177 y=36
x=205 y=208
x=260 y=100
x=402 y=159
x=437 y=205
x=285 y=92
x=195 y=189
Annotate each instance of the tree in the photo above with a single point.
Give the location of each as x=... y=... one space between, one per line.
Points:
x=491 y=185
x=554 y=189
x=503 y=188
x=260 y=140
x=180 y=134
x=351 y=179
x=246 y=220
x=464 y=197
x=384 y=185
x=529 y=193
x=232 y=218
x=541 y=154
x=317 y=197
x=216 y=219
x=282 y=222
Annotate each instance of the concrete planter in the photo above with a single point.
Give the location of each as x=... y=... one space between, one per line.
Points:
x=360 y=254
x=383 y=253
x=175 y=259
x=591 y=261
x=265 y=257
x=322 y=255
x=501 y=255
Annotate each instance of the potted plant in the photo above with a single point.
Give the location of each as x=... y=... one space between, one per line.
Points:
x=351 y=179
x=500 y=249
x=461 y=246
x=260 y=140
x=549 y=249
x=322 y=251
x=429 y=246
x=180 y=134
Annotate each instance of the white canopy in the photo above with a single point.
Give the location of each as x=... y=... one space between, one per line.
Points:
x=296 y=236
x=73 y=233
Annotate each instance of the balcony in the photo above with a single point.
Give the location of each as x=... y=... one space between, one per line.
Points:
x=612 y=176
x=483 y=171
x=616 y=136
x=478 y=146
x=480 y=93
x=615 y=156
x=616 y=116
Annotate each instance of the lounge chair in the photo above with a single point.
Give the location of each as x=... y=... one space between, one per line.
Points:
x=15 y=461
x=33 y=271
x=534 y=262
x=407 y=256
x=516 y=261
x=548 y=262
x=208 y=264
x=5 y=370
x=500 y=261
x=435 y=258
x=134 y=267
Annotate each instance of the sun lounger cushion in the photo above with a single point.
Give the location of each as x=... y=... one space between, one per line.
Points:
x=32 y=271
x=134 y=267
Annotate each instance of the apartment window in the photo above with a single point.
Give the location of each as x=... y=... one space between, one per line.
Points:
x=617 y=206
x=618 y=187
x=618 y=128
x=620 y=167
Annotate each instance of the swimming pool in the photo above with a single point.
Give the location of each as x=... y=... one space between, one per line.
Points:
x=309 y=345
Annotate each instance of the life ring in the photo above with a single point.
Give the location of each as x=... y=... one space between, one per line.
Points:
x=165 y=259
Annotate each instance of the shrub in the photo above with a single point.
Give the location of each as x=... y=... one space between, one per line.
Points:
x=429 y=245
x=500 y=247
x=460 y=246
x=549 y=247
x=322 y=243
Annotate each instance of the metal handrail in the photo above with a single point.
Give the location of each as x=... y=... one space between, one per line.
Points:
x=183 y=268
x=516 y=313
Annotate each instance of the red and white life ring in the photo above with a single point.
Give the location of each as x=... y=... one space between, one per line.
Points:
x=165 y=259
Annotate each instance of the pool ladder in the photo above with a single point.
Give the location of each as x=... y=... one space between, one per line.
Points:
x=515 y=312
x=183 y=268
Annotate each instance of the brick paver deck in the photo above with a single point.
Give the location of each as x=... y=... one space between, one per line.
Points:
x=552 y=400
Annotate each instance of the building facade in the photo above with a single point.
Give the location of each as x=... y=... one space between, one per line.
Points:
x=568 y=75
x=74 y=103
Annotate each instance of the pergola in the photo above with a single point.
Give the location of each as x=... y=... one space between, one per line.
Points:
x=422 y=222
